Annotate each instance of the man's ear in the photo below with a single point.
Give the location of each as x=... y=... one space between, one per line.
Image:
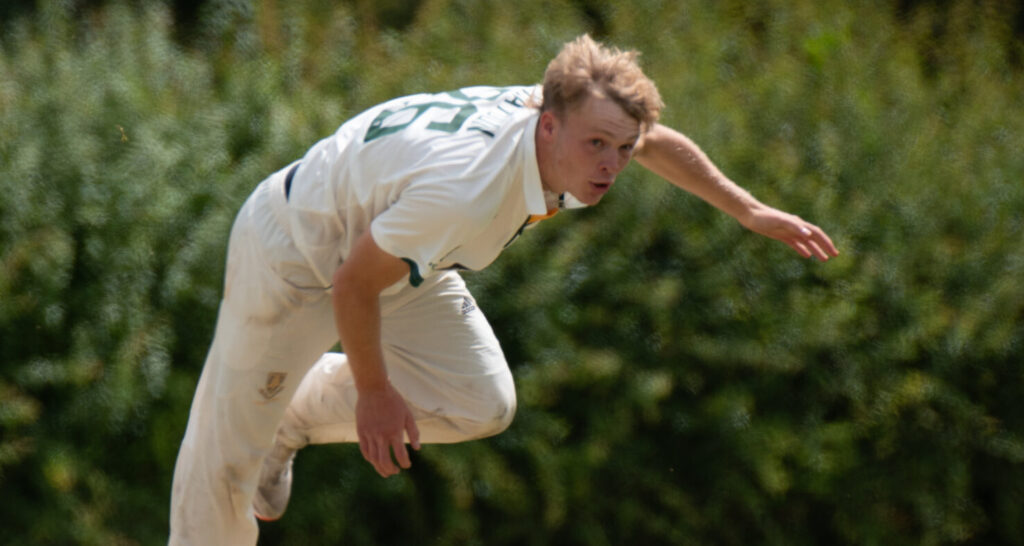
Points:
x=548 y=125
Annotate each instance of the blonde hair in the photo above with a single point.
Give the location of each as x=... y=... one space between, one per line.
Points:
x=584 y=67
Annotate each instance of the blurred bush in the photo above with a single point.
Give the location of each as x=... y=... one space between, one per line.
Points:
x=681 y=381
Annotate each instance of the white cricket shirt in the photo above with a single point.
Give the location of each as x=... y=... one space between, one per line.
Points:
x=442 y=181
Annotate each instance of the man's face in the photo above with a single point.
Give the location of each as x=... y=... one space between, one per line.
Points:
x=586 y=148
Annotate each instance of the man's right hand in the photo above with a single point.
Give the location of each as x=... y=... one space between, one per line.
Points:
x=382 y=417
x=382 y=421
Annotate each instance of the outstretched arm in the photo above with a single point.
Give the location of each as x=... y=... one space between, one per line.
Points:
x=671 y=155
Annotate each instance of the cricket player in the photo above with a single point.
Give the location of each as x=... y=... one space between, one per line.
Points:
x=361 y=241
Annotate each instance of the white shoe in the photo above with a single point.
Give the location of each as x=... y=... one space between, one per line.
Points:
x=275 y=486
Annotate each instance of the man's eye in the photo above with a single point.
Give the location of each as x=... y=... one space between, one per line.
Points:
x=597 y=143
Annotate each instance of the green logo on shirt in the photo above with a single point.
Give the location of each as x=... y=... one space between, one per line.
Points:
x=462 y=103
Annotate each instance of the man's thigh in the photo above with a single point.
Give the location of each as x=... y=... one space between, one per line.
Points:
x=444 y=358
x=444 y=327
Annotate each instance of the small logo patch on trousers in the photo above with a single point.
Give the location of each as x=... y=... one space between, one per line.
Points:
x=274 y=386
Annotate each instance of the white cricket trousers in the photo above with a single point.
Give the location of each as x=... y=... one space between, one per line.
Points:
x=267 y=375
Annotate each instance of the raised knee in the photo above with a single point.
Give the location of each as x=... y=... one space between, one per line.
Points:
x=484 y=411
x=500 y=411
x=504 y=412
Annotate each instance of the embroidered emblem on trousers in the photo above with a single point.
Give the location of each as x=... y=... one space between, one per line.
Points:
x=274 y=386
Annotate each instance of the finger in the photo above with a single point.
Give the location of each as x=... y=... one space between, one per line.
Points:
x=401 y=454
x=820 y=254
x=372 y=455
x=814 y=249
x=825 y=252
x=378 y=468
x=814 y=243
x=827 y=245
x=799 y=247
x=384 y=459
x=382 y=469
x=413 y=431
x=807 y=245
x=822 y=240
x=364 y=448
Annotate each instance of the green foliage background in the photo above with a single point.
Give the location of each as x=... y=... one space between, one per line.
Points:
x=681 y=381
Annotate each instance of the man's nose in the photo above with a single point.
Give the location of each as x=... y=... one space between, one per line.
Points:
x=614 y=161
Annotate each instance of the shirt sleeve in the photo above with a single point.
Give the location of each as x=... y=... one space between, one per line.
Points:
x=426 y=224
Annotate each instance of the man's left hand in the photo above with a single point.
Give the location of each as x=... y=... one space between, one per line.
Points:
x=802 y=236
